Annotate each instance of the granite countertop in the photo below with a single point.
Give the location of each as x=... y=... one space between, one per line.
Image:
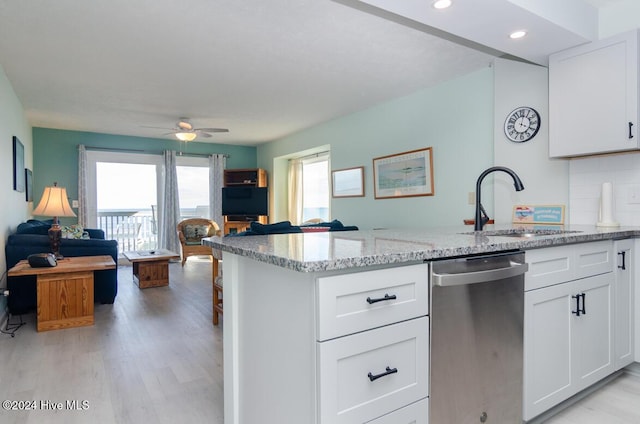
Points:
x=324 y=251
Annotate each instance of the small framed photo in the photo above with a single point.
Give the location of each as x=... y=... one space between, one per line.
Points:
x=348 y=182
x=405 y=174
x=18 y=165
x=28 y=178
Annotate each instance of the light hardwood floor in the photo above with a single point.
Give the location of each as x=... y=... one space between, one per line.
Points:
x=616 y=403
x=153 y=356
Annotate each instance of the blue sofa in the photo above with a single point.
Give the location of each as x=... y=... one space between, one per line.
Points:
x=285 y=227
x=31 y=237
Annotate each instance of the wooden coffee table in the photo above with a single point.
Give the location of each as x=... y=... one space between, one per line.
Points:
x=151 y=267
x=64 y=292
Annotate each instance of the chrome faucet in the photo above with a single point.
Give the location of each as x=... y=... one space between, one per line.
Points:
x=481 y=215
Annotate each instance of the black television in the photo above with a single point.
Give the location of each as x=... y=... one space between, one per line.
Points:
x=245 y=201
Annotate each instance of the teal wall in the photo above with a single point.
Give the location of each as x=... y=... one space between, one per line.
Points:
x=455 y=118
x=55 y=154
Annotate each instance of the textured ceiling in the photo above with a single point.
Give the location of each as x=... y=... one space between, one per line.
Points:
x=263 y=69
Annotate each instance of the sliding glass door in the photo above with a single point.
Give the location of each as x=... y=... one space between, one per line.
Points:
x=125 y=195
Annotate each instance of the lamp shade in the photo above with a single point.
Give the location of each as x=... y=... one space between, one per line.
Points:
x=54 y=202
x=186 y=136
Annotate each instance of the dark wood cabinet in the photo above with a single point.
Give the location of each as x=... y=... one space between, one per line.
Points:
x=254 y=177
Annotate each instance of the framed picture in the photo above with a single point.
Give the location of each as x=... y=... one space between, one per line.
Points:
x=405 y=174
x=348 y=182
x=18 y=165
x=28 y=178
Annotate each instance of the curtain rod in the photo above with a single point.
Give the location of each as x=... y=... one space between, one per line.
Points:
x=313 y=155
x=149 y=152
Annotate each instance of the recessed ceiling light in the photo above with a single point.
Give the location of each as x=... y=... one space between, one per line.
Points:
x=517 y=34
x=441 y=4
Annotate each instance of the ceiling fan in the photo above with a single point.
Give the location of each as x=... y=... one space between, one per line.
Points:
x=184 y=130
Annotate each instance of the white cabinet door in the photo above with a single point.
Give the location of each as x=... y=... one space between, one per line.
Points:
x=568 y=340
x=593 y=97
x=623 y=305
x=592 y=330
x=547 y=348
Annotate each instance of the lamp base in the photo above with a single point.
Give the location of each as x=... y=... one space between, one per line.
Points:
x=55 y=235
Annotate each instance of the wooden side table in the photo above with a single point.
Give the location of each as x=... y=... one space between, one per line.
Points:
x=151 y=267
x=64 y=292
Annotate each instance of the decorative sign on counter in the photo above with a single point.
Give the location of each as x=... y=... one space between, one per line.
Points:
x=538 y=214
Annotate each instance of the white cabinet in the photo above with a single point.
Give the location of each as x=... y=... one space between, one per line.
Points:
x=593 y=97
x=372 y=345
x=624 y=303
x=568 y=337
x=299 y=346
x=369 y=374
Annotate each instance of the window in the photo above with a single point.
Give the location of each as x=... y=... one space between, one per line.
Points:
x=193 y=186
x=315 y=188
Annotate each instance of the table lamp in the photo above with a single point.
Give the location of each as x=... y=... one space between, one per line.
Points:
x=54 y=203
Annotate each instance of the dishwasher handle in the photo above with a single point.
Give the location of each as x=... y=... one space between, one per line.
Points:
x=445 y=280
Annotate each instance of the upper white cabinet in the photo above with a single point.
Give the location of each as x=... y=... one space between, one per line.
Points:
x=593 y=97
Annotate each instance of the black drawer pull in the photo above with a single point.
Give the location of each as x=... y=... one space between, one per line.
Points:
x=630 y=135
x=623 y=253
x=387 y=372
x=381 y=299
x=584 y=303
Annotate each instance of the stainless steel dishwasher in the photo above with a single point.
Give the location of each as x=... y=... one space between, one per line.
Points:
x=477 y=311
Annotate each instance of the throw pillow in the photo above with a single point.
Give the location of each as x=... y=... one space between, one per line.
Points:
x=195 y=232
x=73 y=232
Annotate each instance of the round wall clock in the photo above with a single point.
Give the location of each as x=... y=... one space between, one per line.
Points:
x=522 y=124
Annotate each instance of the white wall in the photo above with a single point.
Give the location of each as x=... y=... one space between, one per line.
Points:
x=546 y=181
x=619 y=16
x=586 y=178
x=15 y=208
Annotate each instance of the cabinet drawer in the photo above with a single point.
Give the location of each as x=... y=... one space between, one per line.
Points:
x=346 y=392
x=554 y=265
x=416 y=413
x=347 y=303
x=593 y=258
x=548 y=266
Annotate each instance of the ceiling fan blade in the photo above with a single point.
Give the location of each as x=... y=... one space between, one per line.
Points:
x=204 y=134
x=213 y=130
x=158 y=128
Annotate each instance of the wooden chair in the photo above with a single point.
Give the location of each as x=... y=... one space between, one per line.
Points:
x=217 y=291
x=191 y=232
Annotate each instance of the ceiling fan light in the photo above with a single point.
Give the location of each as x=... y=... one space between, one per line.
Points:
x=442 y=4
x=186 y=136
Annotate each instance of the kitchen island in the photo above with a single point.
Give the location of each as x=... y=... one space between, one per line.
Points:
x=290 y=325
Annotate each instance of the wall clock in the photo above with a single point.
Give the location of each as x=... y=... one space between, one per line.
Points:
x=522 y=124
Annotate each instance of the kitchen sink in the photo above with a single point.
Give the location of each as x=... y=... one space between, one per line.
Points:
x=522 y=233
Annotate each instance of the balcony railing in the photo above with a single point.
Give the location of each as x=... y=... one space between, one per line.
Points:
x=136 y=229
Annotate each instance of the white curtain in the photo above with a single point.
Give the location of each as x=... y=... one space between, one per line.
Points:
x=83 y=189
x=217 y=165
x=170 y=214
x=295 y=191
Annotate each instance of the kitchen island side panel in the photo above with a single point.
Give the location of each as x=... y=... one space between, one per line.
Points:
x=269 y=343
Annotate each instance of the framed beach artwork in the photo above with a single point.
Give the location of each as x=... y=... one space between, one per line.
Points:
x=347 y=182
x=405 y=174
